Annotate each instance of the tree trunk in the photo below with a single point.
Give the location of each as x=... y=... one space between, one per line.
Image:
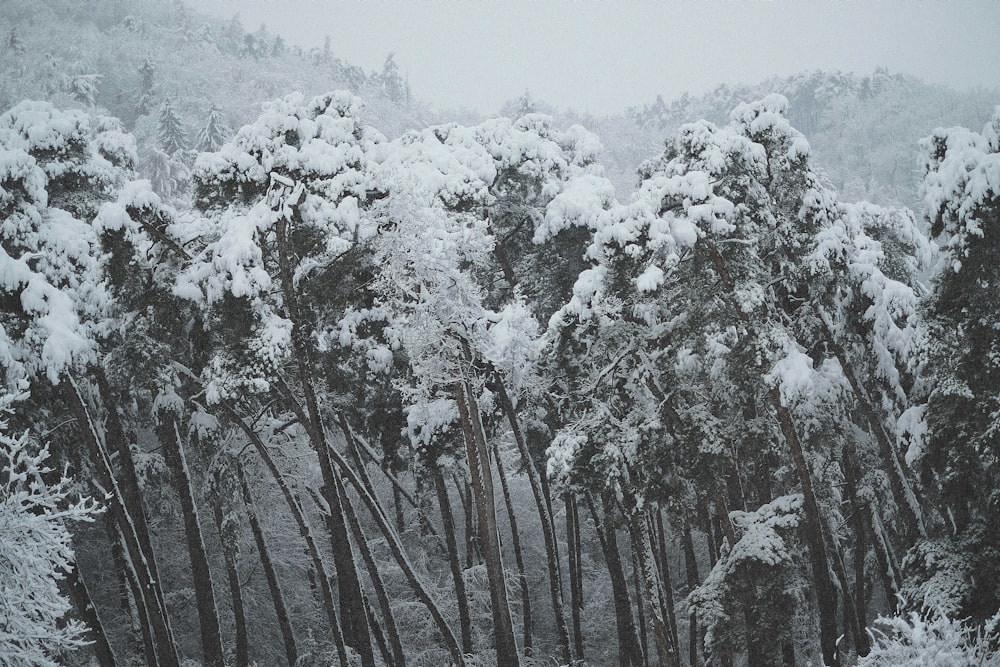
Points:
x=472 y=553
x=539 y=493
x=629 y=651
x=575 y=573
x=88 y=614
x=138 y=633
x=652 y=588
x=482 y=486
x=392 y=632
x=204 y=591
x=148 y=584
x=303 y=525
x=826 y=594
x=242 y=651
x=860 y=549
x=457 y=576
x=640 y=607
x=284 y=624
x=668 y=585
x=693 y=580
x=374 y=509
x=128 y=483
x=515 y=539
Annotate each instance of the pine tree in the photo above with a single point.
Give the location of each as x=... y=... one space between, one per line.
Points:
x=959 y=453
x=171 y=135
x=215 y=133
x=15 y=44
x=147 y=74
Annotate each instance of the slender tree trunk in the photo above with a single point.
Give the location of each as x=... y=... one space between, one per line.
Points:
x=693 y=580
x=668 y=585
x=457 y=576
x=515 y=539
x=640 y=607
x=131 y=498
x=862 y=642
x=653 y=589
x=391 y=631
x=482 y=485
x=204 y=590
x=539 y=493
x=88 y=614
x=397 y=505
x=399 y=491
x=629 y=651
x=575 y=573
x=888 y=568
x=305 y=532
x=138 y=633
x=148 y=584
x=142 y=614
x=472 y=553
x=284 y=624
x=374 y=509
x=396 y=548
x=242 y=650
x=826 y=594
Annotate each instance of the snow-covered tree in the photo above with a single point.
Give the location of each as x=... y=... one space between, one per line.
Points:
x=36 y=552
x=215 y=133
x=957 y=442
x=171 y=134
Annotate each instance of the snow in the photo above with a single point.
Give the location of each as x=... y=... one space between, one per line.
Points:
x=650 y=279
x=793 y=375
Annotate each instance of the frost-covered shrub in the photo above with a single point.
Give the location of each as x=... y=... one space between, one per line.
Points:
x=932 y=639
x=35 y=555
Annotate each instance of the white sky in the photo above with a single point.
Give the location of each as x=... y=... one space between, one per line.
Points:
x=603 y=55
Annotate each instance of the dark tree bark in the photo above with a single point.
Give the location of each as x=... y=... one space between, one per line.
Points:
x=575 y=573
x=448 y=522
x=395 y=646
x=128 y=483
x=902 y=491
x=640 y=607
x=241 y=650
x=284 y=624
x=629 y=651
x=482 y=485
x=539 y=492
x=858 y=521
x=305 y=531
x=668 y=584
x=693 y=580
x=515 y=538
x=652 y=588
x=826 y=593
x=204 y=590
x=88 y=614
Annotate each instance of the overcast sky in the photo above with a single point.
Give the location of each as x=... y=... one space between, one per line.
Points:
x=603 y=55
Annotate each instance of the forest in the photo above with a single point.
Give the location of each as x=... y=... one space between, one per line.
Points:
x=300 y=370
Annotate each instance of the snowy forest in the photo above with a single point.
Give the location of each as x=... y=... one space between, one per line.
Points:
x=300 y=370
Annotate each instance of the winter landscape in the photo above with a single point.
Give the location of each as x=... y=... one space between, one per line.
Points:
x=304 y=367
